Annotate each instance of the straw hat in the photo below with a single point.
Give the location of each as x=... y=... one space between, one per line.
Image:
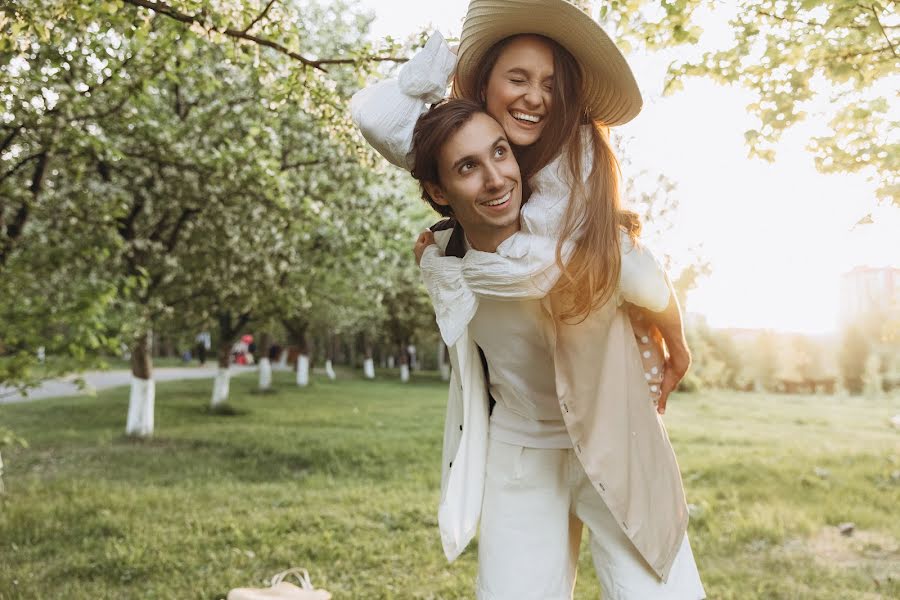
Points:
x=611 y=93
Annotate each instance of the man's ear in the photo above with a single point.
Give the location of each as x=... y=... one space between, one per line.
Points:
x=436 y=193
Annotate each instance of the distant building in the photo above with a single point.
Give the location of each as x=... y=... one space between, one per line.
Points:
x=866 y=291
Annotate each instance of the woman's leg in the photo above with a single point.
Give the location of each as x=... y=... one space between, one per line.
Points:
x=528 y=542
x=622 y=572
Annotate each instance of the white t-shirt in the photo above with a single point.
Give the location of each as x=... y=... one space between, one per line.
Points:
x=520 y=365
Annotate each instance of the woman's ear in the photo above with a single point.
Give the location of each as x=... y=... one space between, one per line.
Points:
x=436 y=193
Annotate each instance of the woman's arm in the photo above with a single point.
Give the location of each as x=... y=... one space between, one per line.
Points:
x=675 y=351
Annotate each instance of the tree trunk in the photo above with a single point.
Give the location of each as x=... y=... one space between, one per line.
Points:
x=303 y=370
x=223 y=376
x=303 y=360
x=444 y=361
x=265 y=374
x=404 y=364
x=368 y=360
x=265 y=366
x=143 y=391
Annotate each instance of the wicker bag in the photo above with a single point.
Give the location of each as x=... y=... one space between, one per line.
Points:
x=282 y=590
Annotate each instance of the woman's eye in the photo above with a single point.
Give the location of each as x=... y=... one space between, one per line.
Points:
x=517 y=80
x=500 y=151
x=467 y=167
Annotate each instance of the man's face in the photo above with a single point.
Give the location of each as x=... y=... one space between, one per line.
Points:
x=480 y=178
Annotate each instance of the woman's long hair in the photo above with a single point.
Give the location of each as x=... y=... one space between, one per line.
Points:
x=594 y=215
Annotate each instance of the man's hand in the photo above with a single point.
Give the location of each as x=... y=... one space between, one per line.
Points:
x=425 y=239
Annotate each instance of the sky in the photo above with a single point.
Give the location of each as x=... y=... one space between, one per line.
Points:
x=777 y=235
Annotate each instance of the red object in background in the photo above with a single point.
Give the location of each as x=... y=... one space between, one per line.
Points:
x=247 y=338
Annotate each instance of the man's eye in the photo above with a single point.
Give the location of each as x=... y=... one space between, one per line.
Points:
x=500 y=151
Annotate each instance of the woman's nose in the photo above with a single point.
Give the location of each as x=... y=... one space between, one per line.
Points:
x=533 y=97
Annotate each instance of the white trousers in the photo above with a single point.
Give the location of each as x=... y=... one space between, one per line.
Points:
x=535 y=502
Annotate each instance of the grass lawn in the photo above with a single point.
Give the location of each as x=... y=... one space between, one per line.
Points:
x=343 y=478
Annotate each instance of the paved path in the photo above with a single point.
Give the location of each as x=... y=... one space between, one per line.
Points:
x=101 y=380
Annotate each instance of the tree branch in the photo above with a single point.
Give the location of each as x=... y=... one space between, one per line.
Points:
x=10 y=137
x=19 y=165
x=883 y=32
x=162 y=8
x=286 y=166
x=126 y=225
x=186 y=214
x=259 y=17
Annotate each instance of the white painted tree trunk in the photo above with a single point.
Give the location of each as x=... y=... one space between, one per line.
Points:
x=140 y=407
x=443 y=365
x=2 y=489
x=303 y=370
x=282 y=359
x=404 y=373
x=390 y=362
x=369 y=368
x=221 y=386
x=265 y=374
x=329 y=370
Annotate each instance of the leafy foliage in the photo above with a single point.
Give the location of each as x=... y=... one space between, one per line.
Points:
x=165 y=164
x=838 y=58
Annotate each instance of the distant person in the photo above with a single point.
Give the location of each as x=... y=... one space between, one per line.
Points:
x=204 y=343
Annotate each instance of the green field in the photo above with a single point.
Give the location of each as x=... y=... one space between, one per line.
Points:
x=343 y=478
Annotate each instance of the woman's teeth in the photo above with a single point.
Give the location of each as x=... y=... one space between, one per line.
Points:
x=523 y=117
x=499 y=201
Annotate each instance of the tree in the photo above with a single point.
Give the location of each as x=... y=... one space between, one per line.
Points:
x=782 y=50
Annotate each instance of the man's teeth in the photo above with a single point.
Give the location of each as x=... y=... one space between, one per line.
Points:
x=499 y=201
x=524 y=117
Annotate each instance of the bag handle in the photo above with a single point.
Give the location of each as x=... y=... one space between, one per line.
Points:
x=302 y=575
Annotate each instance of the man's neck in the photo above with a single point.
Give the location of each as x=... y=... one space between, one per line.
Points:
x=487 y=240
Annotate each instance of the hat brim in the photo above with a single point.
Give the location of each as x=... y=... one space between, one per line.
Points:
x=610 y=90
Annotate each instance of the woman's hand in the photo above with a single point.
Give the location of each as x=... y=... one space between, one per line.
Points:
x=677 y=364
x=425 y=239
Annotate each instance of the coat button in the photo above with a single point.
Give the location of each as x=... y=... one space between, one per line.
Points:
x=460 y=427
x=451 y=463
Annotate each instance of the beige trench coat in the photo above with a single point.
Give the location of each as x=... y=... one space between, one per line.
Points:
x=615 y=429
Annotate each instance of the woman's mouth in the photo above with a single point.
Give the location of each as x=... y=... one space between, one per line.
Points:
x=526 y=118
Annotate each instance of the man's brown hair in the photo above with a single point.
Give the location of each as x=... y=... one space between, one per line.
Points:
x=432 y=131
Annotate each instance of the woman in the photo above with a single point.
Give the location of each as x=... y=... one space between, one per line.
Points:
x=571 y=243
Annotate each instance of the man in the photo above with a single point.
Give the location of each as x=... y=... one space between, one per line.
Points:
x=531 y=469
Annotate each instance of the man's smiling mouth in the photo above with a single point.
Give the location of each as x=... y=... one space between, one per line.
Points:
x=501 y=200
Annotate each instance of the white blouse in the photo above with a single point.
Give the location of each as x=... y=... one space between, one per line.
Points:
x=524 y=265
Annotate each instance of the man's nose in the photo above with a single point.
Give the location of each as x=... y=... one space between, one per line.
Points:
x=493 y=179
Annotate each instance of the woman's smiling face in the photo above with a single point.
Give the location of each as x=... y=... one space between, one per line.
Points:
x=519 y=91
